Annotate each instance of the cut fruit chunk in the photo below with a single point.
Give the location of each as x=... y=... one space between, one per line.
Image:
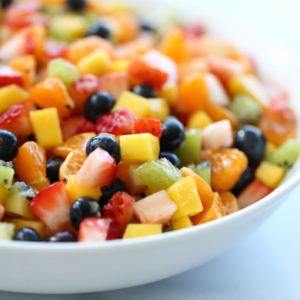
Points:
x=151 y=126
x=199 y=120
x=158 y=174
x=6 y=231
x=181 y=223
x=3 y=195
x=230 y=202
x=9 y=76
x=2 y=210
x=134 y=184
x=203 y=170
x=141 y=230
x=169 y=93
x=6 y=176
x=159 y=109
x=216 y=92
x=219 y=113
x=269 y=174
x=93 y=230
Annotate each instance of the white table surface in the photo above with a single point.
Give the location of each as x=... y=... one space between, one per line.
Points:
x=266 y=265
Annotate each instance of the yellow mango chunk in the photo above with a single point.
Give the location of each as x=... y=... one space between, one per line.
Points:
x=139 y=148
x=140 y=230
x=159 y=109
x=75 y=191
x=96 y=63
x=11 y=95
x=46 y=127
x=199 y=120
x=135 y=103
x=169 y=93
x=269 y=174
x=185 y=194
x=3 y=195
x=119 y=65
x=36 y=225
x=181 y=223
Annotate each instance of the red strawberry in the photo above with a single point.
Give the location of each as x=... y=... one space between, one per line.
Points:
x=52 y=207
x=275 y=91
x=119 y=209
x=113 y=233
x=117 y=123
x=93 y=230
x=54 y=49
x=9 y=76
x=21 y=10
x=254 y=192
x=98 y=170
x=37 y=19
x=16 y=120
x=194 y=31
x=69 y=127
x=86 y=126
x=148 y=126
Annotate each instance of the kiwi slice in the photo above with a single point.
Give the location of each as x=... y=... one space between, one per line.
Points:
x=6 y=176
x=203 y=170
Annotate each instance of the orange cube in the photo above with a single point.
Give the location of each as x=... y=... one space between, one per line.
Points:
x=230 y=202
x=219 y=113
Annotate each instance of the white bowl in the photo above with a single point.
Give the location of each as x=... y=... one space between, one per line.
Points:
x=79 y=268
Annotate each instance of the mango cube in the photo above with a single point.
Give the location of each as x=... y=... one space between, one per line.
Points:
x=3 y=195
x=36 y=225
x=185 y=194
x=169 y=93
x=46 y=127
x=6 y=231
x=181 y=223
x=140 y=230
x=199 y=119
x=119 y=65
x=139 y=147
x=11 y=95
x=135 y=103
x=269 y=174
x=159 y=109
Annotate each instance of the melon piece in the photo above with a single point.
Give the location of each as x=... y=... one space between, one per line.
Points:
x=140 y=230
x=134 y=184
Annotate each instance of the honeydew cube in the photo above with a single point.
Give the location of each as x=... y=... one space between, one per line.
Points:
x=6 y=231
x=135 y=103
x=96 y=63
x=181 y=223
x=134 y=184
x=46 y=127
x=11 y=95
x=185 y=194
x=36 y=225
x=169 y=93
x=140 y=230
x=216 y=92
x=139 y=148
x=269 y=174
x=159 y=109
x=199 y=119
x=3 y=195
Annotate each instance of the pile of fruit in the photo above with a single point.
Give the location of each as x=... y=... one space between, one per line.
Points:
x=115 y=126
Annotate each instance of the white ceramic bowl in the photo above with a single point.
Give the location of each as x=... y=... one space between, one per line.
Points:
x=79 y=268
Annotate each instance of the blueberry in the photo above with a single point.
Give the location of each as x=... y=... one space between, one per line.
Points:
x=9 y=145
x=146 y=27
x=107 y=142
x=172 y=135
x=252 y=142
x=246 y=178
x=27 y=234
x=110 y=190
x=76 y=4
x=5 y=3
x=82 y=208
x=100 y=30
x=172 y=158
x=144 y=91
x=63 y=237
x=98 y=105
x=53 y=165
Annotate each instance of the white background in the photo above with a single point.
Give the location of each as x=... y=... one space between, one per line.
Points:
x=266 y=265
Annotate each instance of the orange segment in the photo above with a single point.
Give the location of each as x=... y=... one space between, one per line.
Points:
x=219 y=113
x=36 y=39
x=122 y=170
x=72 y=164
x=78 y=141
x=52 y=93
x=227 y=166
x=230 y=202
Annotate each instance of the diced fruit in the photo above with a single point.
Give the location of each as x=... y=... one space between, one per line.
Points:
x=190 y=150
x=157 y=208
x=181 y=223
x=270 y=149
x=269 y=174
x=52 y=207
x=159 y=109
x=6 y=231
x=38 y=226
x=18 y=199
x=203 y=170
x=230 y=202
x=119 y=65
x=199 y=120
x=254 y=192
x=52 y=93
x=141 y=230
x=227 y=166
x=246 y=178
x=93 y=230
x=54 y=49
x=169 y=93
x=120 y=210
x=219 y=113
x=158 y=174
x=98 y=170
x=6 y=176
x=11 y=95
x=134 y=184
x=216 y=92
x=217 y=135
x=148 y=126
x=3 y=195
x=85 y=126
x=46 y=127
x=9 y=76
x=185 y=195
x=139 y=147
x=122 y=170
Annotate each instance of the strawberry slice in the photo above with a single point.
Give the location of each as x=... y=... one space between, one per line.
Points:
x=148 y=126
x=254 y=192
x=52 y=207
x=9 y=76
x=93 y=230
x=120 y=210
x=98 y=170
x=86 y=126
x=54 y=49
x=117 y=123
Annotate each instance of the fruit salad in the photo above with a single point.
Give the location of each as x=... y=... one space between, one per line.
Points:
x=115 y=125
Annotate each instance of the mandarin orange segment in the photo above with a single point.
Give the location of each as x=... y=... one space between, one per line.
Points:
x=219 y=113
x=36 y=39
x=78 y=141
x=122 y=170
x=230 y=202
x=52 y=93
x=71 y=165
x=227 y=166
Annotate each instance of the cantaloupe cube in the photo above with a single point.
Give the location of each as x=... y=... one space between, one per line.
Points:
x=139 y=148
x=185 y=194
x=181 y=223
x=3 y=195
x=159 y=109
x=269 y=174
x=169 y=93
x=39 y=226
x=6 y=231
x=135 y=103
x=140 y=230
x=46 y=127
x=11 y=95
x=199 y=119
